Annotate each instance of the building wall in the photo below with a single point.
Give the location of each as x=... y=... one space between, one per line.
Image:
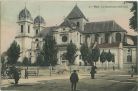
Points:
x=81 y=21
x=132 y=52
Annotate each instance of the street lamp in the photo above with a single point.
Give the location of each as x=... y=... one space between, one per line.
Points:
x=38 y=54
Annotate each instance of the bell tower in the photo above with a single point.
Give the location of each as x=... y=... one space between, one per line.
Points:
x=77 y=17
x=39 y=24
x=25 y=31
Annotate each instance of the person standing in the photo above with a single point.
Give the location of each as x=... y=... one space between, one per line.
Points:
x=113 y=68
x=93 y=71
x=74 y=80
x=15 y=74
x=132 y=71
x=26 y=74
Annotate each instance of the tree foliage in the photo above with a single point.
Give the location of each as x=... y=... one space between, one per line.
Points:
x=50 y=50
x=71 y=53
x=94 y=54
x=13 y=53
x=40 y=60
x=2 y=60
x=133 y=19
x=3 y=65
x=109 y=56
x=84 y=52
x=103 y=57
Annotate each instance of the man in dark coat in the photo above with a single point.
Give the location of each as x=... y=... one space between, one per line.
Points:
x=26 y=74
x=93 y=71
x=74 y=79
x=15 y=74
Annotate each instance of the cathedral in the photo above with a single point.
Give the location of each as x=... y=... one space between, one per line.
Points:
x=107 y=35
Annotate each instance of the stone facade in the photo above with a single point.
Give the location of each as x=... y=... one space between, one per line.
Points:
x=107 y=35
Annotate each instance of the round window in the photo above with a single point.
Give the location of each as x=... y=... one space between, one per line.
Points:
x=64 y=38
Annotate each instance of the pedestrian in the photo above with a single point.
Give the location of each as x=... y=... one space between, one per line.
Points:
x=93 y=71
x=15 y=74
x=26 y=74
x=132 y=71
x=113 y=68
x=74 y=80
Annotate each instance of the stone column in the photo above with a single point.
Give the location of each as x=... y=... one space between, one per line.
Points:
x=120 y=56
x=137 y=55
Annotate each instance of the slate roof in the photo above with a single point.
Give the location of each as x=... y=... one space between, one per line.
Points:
x=25 y=14
x=39 y=20
x=76 y=13
x=103 y=26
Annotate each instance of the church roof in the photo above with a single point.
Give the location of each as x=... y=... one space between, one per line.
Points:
x=103 y=26
x=75 y=13
x=25 y=14
x=39 y=20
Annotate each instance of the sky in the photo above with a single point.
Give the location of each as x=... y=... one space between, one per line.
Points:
x=54 y=13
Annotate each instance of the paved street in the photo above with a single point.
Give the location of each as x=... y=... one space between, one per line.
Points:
x=103 y=82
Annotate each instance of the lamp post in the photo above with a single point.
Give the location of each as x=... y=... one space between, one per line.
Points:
x=38 y=54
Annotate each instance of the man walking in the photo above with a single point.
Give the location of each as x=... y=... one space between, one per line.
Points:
x=26 y=74
x=93 y=71
x=132 y=71
x=74 y=79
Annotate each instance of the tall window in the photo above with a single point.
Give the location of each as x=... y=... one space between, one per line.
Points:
x=118 y=37
x=96 y=37
x=80 y=39
x=78 y=24
x=106 y=38
x=112 y=40
x=129 y=55
x=21 y=28
x=37 y=31
x=64 y=56
x=101 y=40
x=28 y=29
x=37 y=45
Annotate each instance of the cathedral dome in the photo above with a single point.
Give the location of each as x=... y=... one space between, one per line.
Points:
x=39 y=20
x=25 y=14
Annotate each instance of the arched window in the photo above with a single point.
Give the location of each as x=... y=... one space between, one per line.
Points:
x=118 y=37
x=129 y=58
x=129 y=55
x=28 y=29
x=37 y=31
x=37 y=45
x=78 y=24
x=80 y=39
x=21 y=28
x=36 y=40
x=63 y=56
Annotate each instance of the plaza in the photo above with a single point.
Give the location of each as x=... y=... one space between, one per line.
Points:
x=104 y=81
x=40 y=52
